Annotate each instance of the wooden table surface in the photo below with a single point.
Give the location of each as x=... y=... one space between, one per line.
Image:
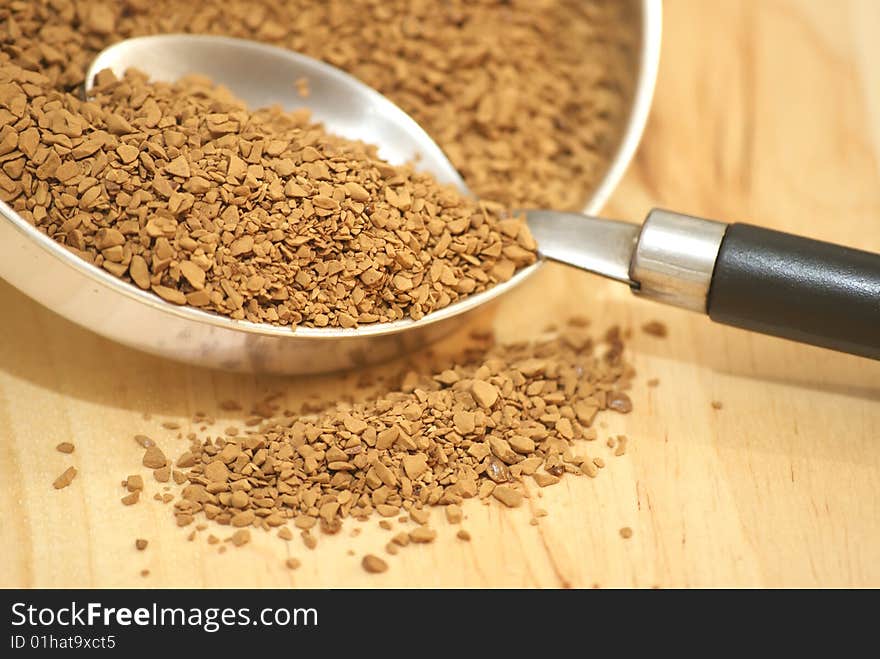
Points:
x=767 y=111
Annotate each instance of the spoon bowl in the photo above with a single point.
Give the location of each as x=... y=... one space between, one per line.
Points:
x=261 y=76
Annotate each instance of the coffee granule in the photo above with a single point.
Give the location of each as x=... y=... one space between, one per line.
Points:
x=292 y=563
x=154 y=458
x=655 y=328
x=402 y=452
x=65 y=447
x=65 y=479
x=626 y=533
x=717 y=405
x=134 y=482
x=463 y=535
x=374 y=564
x=131 y=499
x=141 y=544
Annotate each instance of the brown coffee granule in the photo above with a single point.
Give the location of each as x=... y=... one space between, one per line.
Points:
x=453 y=513
x=131 y=499
x=134 y=483
x=144 y=441
x=626 y=533
x=508 y=496
x=463 y=535
x=154 y=458
x=141 y=544
x=717 y=405
x=620 y=449
x=145 y=573
x=619 y=402
x=422 y=535
x=292 y=563
x=405 y=450
x=655 y=328
x=374 y=564
x=240 y=537
x=65 y=447
x=653 y=382
x=65 y=479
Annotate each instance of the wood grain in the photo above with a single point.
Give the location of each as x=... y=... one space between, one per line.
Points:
x=767 y=111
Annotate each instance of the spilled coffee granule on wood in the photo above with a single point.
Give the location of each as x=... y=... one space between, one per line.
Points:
x=180 y=190
x=65 y=479
x=522 y=413
x=527 y=98
x=65 y=447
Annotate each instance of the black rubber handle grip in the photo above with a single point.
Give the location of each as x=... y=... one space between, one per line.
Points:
x=797 y=288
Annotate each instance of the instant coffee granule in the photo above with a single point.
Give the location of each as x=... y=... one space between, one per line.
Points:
x=522 y=413
x=528 y=99
x=180 y=190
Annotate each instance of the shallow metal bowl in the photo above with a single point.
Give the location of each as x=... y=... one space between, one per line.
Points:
x=45 y=271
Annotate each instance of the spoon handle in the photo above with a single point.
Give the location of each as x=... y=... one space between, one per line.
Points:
x=766 y=281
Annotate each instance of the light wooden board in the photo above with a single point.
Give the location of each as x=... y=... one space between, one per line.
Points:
x=766 y=111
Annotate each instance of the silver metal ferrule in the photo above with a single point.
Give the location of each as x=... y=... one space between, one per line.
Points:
x=675 y=257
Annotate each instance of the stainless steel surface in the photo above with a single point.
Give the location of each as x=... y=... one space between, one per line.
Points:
x=92 y=298
x=675 y=257
x=603 y=247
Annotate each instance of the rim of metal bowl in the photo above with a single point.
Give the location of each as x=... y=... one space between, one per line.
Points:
x=651 y=12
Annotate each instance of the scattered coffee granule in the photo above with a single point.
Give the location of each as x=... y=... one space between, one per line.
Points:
x=717 y=405
x=508 y=496
x=619 y=402
x=655 y=328
x=144 y=441
x=626 y=533
x=528 y=99
x=374 y=564
x=240 y=537
x=65 y=447
x=620 y=449
x=131 y=499
x=141 y=544
x=422 y=535
x=65 y=479
x=653 y=382
x=285 y=533
x=154 y=458
x=145 y=573
x=134 y=483
x=463 y=535
x=292 y=563
x=400 y=453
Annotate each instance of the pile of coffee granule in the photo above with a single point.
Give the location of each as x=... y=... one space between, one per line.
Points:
x=528 y=98
x=523 y=415
x=259 y=215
